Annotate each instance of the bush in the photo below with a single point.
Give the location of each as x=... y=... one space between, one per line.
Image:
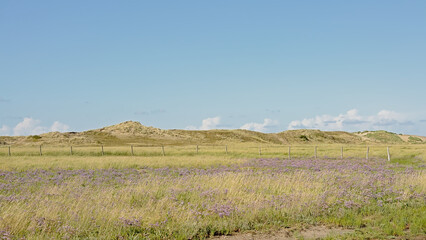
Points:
x=304 y=137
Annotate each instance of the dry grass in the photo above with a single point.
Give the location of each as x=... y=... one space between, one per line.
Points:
x=185 y=195
x=192 y=202
x=187 y=156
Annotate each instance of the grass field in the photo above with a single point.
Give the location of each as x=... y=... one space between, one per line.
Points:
x=185 y=195
x=234 y=150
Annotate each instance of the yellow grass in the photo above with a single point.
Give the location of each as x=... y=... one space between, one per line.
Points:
x=174 y=205
x=186 y=156
x=74 y=209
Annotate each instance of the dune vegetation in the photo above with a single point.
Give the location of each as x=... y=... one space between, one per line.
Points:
x=134 y=133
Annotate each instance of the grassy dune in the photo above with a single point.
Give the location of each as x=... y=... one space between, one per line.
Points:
x=135 y=133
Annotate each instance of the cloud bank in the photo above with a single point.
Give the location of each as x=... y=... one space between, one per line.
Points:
x=260 y=127
x=352 y=121
x=206 y=124
x=30 y=126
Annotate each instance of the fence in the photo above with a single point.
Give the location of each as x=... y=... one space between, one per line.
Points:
x=287 y=152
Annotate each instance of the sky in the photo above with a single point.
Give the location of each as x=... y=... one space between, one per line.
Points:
x=267 y=66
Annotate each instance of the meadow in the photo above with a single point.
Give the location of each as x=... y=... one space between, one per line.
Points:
x=190 y=195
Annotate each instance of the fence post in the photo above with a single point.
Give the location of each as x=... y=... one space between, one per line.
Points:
x=289 y=153
x=368 y=150
x=389 y=157
x=315 y=152
x=41 y=154
x=226 y=149
x=260 y=151
x=102 y=147
x=162 y=148
x=71 y=150
x=131 y=148
x=197 y=148
x=9 y=152
x=341 y=154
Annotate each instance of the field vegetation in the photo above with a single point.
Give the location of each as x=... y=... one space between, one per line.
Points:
x=135 y=190
x=185 y=195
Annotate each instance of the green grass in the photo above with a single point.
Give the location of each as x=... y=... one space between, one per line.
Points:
x=413 y=139
x=385 y=137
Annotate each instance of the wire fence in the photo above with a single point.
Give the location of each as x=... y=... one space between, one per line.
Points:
x=280 y=151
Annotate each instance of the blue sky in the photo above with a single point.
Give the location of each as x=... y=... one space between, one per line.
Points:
x=261 y=65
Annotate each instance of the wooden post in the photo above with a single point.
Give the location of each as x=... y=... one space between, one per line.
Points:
x=341 y=153
x=71 y=150
x=368 y=150
x=260 y=151
x=389 y=157
x=226 y=149
x=102 y=146
x=162 y=148
x=41 y=154
x=289 y=153
x=197 y=149
x=131 y=149
x=315 y=152
x=9 y=152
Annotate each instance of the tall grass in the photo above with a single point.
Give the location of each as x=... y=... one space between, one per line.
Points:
x=185 y=195
x=195 y=203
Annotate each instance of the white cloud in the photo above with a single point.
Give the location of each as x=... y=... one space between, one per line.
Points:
x=4 y=131
x=386 y=117
x=206 y=124
x=59 y=127
x=260 y=127
x=210 y=123
x=30 y=126
x=352 y=121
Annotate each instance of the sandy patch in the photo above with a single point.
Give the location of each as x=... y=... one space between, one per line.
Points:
x=316 y=232
x=405 y=137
